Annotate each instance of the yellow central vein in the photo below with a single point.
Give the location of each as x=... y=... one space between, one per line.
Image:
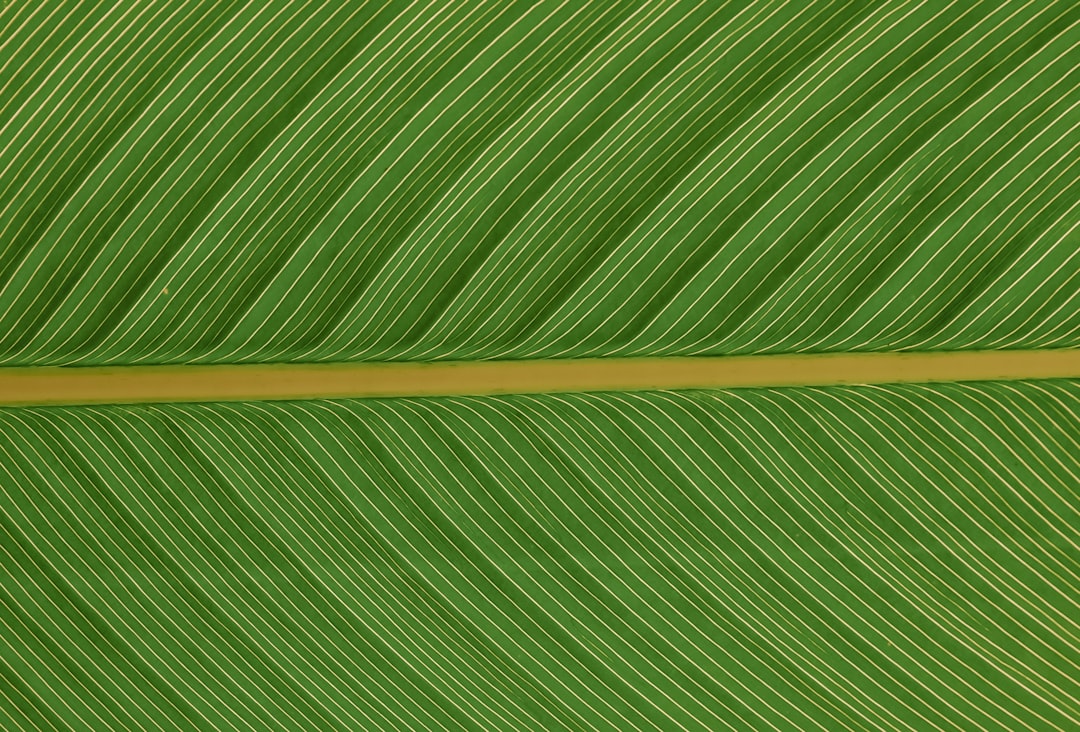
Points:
x=257 y=382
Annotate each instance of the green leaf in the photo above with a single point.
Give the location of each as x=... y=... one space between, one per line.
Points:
x=184 y=182
x=188 y=181
x=833 y=558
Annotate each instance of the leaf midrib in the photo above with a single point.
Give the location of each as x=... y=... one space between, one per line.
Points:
x=51 y=385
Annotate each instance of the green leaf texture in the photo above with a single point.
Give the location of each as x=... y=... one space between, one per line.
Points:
x=201 y=181
x=187 y=181
x=895 y=558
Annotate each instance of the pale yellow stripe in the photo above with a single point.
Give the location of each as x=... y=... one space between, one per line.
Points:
x=132 y=384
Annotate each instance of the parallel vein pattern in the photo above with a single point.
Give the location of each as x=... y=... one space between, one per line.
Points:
x=214 y=182
x=894 y=558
